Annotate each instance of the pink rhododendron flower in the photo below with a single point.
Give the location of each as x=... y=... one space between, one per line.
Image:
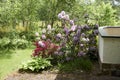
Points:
x=41 y=44
x=43 y=36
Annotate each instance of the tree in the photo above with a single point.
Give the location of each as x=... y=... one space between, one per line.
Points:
x=50 y=8
x=101 y=13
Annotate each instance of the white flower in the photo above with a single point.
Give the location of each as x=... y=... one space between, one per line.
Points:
x=63 y=17
x=66 y=17
x=59 y=16
x=36 y=34
x=62 y=13
x=87 y=39
x=49 y=27
x=81 y=45
x=44 y=31
x=41 y=44
x=43 y=36
x=59 y=35
x=84 y=39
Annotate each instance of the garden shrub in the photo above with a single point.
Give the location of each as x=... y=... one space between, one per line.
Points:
x=67 y=43
x=19 y=43
x=74 y=40
x=4 y=43
x=7 y=43
x=28 y=35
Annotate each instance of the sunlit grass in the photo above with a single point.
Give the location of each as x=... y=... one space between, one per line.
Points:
x=10 y=61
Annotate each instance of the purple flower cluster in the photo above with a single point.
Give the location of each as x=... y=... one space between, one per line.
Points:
x=63 y=15
x=74 y=40
x=78 y=38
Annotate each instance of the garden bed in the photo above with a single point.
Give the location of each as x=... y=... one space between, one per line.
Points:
x=58 y=75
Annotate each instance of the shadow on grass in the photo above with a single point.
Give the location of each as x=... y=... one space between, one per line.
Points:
x=6 y=54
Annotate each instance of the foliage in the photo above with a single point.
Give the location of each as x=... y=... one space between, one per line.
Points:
x=15 y=12
x=36 y=64
x=28 y=35
x=19 y=43
x=4 y=43
x=50 y=8
x=76 y=64
x=7 y=43
x=96 y=12
x=16 y=39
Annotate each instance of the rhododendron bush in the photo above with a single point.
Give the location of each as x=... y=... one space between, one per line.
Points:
x=64 y=42
x=67 y=39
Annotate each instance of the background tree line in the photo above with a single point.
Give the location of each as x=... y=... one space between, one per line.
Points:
x=29 y=12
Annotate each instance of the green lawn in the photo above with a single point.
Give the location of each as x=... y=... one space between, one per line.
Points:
x=10 y=61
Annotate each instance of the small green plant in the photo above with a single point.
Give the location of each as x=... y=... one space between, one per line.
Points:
x=36 y=64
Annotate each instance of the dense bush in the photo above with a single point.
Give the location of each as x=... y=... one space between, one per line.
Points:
x=7 y=43
x=67 y=42
x=73 y=40
x=14 y=39
x=4 y=43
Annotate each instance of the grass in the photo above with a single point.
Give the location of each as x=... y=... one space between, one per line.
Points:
x=11 y=60
x=77 y=64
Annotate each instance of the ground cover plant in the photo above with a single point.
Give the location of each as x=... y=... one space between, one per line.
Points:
x=65 y=43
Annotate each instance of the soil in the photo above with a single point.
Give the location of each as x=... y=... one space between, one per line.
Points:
x=95 y=74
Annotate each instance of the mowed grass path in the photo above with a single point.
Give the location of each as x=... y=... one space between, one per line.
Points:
x=11 y=61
